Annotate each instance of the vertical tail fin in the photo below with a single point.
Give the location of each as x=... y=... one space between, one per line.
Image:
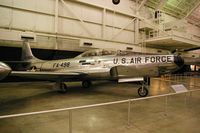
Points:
x=28 y=57
x=27 y=54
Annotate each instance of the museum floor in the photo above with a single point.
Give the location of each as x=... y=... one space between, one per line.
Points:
x=175 y=114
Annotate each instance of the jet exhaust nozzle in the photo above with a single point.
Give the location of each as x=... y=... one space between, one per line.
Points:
x=4 y=70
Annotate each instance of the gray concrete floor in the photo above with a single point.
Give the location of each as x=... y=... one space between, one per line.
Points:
x=181 y=115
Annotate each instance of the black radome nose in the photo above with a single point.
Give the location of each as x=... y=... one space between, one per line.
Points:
x=178 y=60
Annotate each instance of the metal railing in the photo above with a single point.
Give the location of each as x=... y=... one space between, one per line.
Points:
x=178 y=77
x=129 y=101
x=153 y=34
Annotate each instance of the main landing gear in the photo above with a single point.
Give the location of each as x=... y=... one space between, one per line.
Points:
x=61 y=86
x=86 y=84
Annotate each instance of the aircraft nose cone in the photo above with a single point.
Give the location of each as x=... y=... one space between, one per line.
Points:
x=179 y=61
x=4 y=70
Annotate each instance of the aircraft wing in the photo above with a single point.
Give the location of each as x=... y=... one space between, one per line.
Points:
x=134 y=71
x=52 y=76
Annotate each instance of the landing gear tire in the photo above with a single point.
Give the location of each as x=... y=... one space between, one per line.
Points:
x=143 y=91
x=86 y=84
x=61 y=87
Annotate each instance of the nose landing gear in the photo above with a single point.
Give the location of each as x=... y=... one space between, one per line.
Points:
x=143 y=91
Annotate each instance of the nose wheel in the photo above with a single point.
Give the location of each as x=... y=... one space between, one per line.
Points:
x=143 y=91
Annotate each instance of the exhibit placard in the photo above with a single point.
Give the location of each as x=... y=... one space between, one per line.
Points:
x=179 y=88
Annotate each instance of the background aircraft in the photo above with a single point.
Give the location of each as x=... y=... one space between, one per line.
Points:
x=97 y=64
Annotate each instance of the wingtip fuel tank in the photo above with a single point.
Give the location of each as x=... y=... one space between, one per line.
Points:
x=4 y=70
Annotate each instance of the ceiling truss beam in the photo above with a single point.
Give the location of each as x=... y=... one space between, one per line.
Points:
x=193 y=9
x=141 y=5
x=161 y=4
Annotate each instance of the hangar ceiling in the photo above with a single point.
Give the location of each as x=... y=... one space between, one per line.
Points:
x=188 y=9
x=170 y=34
x=70 y=24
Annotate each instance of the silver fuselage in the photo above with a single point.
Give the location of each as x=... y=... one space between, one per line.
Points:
x=111 y=66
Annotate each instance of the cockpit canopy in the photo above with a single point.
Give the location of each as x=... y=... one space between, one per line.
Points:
x=103 y=52
x=97 y=52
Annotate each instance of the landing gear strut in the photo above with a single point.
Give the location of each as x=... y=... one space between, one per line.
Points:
x=62 y=87
x=86 y=84
x=143 y=91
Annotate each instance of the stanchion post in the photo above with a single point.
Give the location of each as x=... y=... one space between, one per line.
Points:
x=129 y=111
x=70 y=121
x=185 y=98
x=166 y=104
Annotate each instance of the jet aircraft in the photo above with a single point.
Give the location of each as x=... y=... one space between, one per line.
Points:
x=96 y=64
